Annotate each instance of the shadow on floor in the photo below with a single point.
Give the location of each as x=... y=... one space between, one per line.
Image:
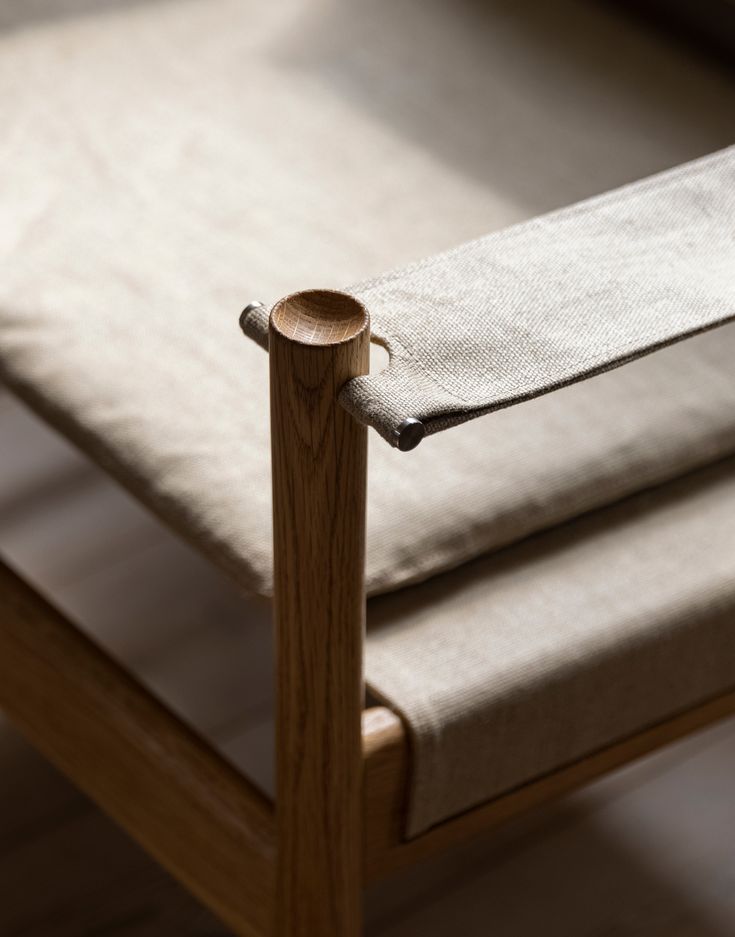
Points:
x=563 y=872
x=570 y=871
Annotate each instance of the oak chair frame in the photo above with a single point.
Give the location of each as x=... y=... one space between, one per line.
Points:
x=296 y=869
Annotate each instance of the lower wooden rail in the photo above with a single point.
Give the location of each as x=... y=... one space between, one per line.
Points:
x=189 y=808
x=184 y=803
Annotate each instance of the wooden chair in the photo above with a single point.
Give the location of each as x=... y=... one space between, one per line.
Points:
x=342 y=769
x=346 y=774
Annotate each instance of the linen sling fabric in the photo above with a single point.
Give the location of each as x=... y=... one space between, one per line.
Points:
x=551 y=301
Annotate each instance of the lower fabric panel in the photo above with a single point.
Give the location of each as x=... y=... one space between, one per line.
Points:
x=524 y=661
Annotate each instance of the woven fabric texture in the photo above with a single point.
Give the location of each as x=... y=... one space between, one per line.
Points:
x=164 y=163
x=124 y=267
x=525 y=661
x=552 y=301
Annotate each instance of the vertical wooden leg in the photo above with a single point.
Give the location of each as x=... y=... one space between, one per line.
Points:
x=318 y=340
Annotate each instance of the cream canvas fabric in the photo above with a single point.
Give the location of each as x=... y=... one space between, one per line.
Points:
x=550 y=302
x=525 y=661
x=162 y=163
x=149 y=185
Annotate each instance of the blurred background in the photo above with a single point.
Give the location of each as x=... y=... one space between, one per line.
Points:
x=350 y=137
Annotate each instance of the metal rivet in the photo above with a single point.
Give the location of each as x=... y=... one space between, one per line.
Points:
x=251 y=307
x=409 y=434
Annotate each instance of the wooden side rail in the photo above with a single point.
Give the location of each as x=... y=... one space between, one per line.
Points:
x=190 y=808
x=184 y=803
x=386 y=772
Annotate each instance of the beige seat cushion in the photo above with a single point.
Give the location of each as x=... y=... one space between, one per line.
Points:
x=164 y=162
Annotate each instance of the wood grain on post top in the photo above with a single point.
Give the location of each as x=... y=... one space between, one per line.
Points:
x=318 y=340
x=322 y=317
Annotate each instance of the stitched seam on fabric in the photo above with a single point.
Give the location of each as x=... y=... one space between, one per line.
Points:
x=448 y=419
x=412 y=359
x=593 y=359
x=404 y=352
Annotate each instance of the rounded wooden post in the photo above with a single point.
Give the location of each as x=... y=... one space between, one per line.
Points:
x=318 y=340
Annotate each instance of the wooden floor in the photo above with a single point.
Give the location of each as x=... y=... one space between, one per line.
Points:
x=650 y=851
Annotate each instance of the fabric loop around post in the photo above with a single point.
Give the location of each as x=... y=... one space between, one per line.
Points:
x=549 y=302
